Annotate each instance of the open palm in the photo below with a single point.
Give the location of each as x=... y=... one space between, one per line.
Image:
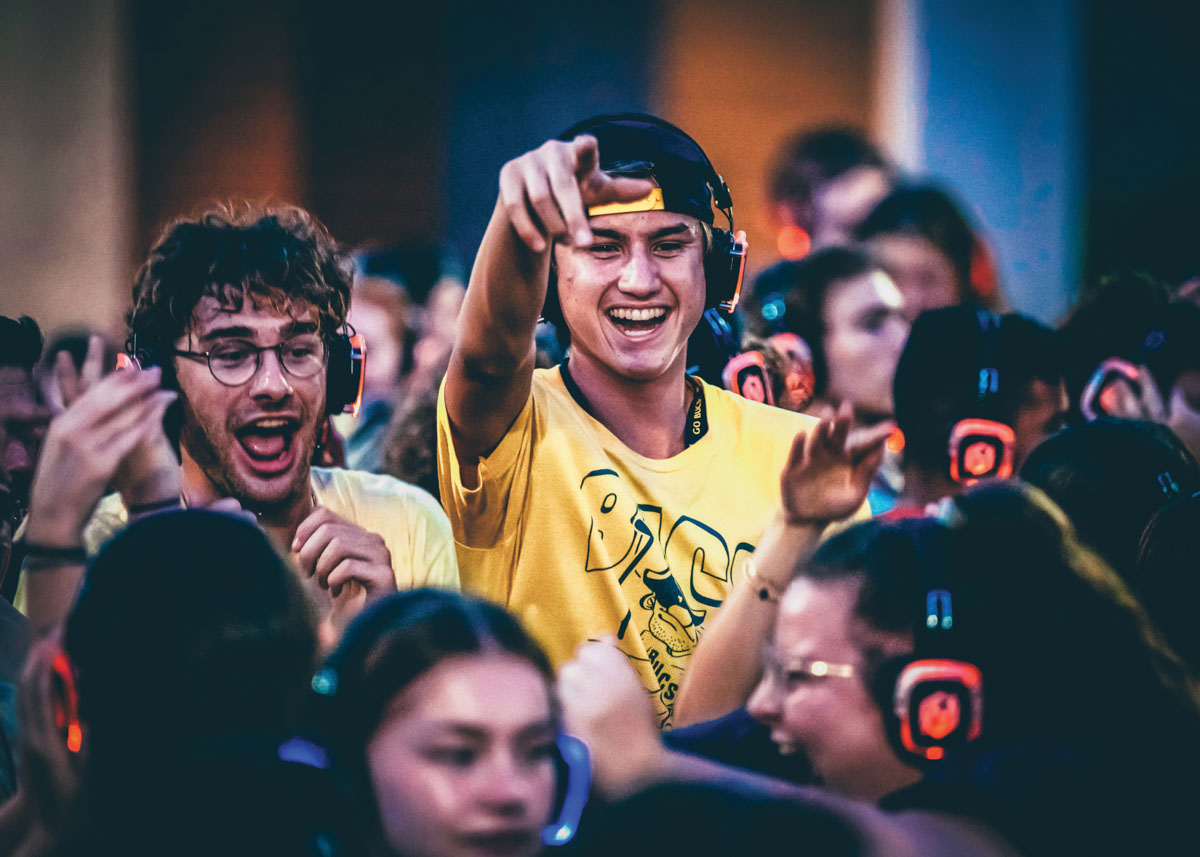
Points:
x=830 y=468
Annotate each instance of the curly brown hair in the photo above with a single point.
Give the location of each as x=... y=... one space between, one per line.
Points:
x=277 y=254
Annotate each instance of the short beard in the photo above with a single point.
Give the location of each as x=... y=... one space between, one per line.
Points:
x=195 y=438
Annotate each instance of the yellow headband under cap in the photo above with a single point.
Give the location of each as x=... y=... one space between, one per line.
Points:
x=652 y=201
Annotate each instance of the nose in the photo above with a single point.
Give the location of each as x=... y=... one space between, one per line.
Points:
x=270 y=381
x=17 y=456
x=763 y=705
x=512 y=786
x=639 y=276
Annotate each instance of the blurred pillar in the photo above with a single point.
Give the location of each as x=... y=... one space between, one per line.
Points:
x=987 y=96
x=65 y=208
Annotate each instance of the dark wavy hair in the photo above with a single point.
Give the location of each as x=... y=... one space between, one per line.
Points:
x=21 y=342
x=278 y=254
x=389 y=646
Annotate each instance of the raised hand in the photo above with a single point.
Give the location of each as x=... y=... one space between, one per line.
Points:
x=546 y=192
x=605 y=705
x=830 y=468
x=150 y=472
x=86 y=444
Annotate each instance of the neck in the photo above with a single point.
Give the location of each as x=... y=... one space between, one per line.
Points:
x=923 y=486
x=647 y=416
x=278 y=521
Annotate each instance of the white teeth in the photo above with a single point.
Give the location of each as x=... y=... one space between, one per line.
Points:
x=630 y=314
x=270 y=424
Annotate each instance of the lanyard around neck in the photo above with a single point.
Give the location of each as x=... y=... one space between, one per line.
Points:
x=696 y=426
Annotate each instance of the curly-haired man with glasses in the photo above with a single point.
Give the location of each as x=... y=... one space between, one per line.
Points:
x=244 y=314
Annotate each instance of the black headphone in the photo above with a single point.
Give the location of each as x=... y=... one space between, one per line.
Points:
x=725 y=261
x=1095 y=401
x=346 y=358
x=982 y=447
x=932 y=700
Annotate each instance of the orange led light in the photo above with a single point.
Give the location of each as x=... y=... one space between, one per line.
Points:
x=793 y=242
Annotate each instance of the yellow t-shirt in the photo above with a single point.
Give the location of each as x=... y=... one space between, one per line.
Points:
x=409 y=520
x=581 y=537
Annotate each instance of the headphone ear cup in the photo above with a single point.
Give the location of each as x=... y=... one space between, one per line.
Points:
x=723 y=269
x=572 y=764
x=344 y=374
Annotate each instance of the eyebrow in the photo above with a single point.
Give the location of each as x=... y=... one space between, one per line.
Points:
x=674 y=229
x=242 y=332
x=469 y=730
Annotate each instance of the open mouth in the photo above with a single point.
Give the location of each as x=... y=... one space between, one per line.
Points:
x=637 y=319
x=268 y=443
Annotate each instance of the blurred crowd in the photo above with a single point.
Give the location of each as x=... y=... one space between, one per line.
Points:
x=600 y=548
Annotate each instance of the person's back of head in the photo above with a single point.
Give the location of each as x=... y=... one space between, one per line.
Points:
x=1116 y=318
x=1165 y=577
x=964 y=364
x=192 y=645
x=189 y=627
x=1110 y=476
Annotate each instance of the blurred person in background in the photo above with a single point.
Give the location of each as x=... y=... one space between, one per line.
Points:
x=1133 y=353
x=922 y=238
x=1111 y=476
x=379 y=311
x=23 y=421
x=1165 y=577
x=823 y=184
x=975 y=393
x=851 y=315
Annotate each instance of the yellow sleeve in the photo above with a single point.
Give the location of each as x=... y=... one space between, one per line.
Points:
x=486 y=515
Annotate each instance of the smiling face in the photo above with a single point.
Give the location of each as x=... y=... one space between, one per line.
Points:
x=829 y=713
x=462 y=763
x=865 y=331
x=253 y=441
x=633 y=297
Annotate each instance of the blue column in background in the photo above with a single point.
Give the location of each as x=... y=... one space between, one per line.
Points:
x=1003 y=125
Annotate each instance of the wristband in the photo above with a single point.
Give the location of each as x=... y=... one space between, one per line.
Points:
x=39 y=556
x=155 y=506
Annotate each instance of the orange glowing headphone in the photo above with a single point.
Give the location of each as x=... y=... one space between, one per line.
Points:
x=981 y=447
x=932 y=701
x=66 y=702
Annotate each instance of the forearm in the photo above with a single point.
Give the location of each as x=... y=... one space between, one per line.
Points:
x=504 y=298
x=492 y=362
x=51 y=574
x=728 y=660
